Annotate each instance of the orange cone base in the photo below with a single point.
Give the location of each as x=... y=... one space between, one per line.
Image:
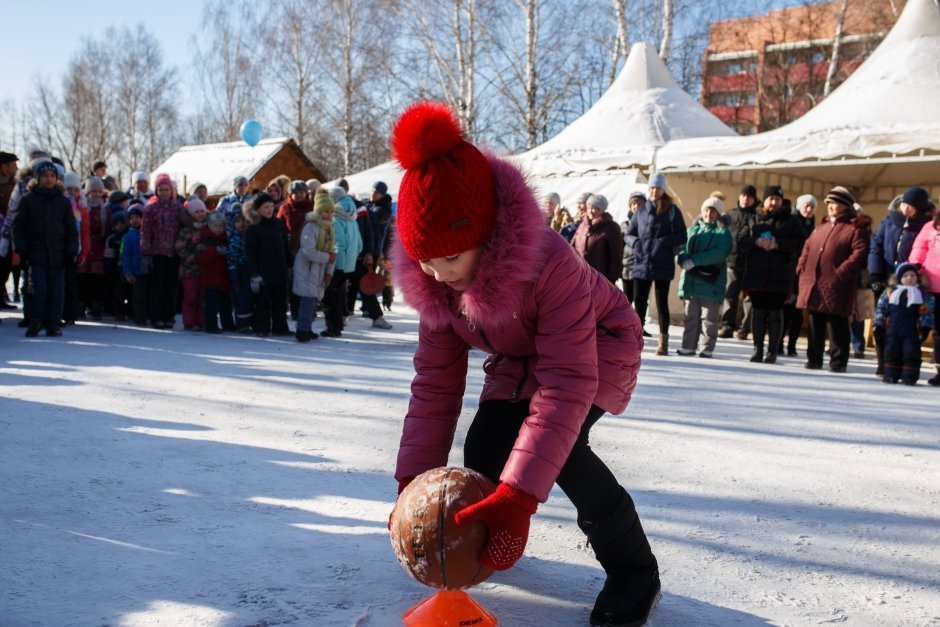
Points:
x=449 y=608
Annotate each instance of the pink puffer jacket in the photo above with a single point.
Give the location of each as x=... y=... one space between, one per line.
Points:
x=926 y=252
x=556 y=331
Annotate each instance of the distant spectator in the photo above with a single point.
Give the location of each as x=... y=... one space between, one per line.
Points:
x=828 y=269
x=926 y=252
x=704 y=275
x=656 y=234
x=568 y=231
x=805 y=213
x=267 y=256
x=636 y=200
x=741 y=222
x=599 y=239
x=158 y=231
x=905 y=313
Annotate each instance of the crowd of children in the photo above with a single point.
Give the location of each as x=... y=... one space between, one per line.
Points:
x=243 y=266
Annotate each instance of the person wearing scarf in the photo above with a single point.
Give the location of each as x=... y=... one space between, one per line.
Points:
x=313 y=263
x=905 y=313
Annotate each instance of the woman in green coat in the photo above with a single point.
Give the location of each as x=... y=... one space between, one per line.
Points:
x=703 y=278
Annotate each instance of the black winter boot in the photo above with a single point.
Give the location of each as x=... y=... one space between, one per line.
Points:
x=775 y=341
x=759 y=328
x=632 y=587
x=33 y=329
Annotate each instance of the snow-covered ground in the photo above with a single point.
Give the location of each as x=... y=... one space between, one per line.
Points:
x=152 y=477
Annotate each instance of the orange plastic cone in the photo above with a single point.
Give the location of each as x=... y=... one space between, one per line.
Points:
x=449 y=608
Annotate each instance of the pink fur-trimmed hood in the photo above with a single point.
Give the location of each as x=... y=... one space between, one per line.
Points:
x=509 y=262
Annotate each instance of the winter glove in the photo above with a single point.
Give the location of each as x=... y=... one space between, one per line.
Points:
x=506 y=513
x=688 y=264
x=876 y=284
x=4 y=247
x=256 y=283
x=129 y=277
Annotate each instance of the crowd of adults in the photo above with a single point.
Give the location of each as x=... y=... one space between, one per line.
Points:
x=767 y=267
x=81 y=249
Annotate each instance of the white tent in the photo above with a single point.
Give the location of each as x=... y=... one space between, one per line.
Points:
x=602 y=150
x=878 y=132
x=360 y=183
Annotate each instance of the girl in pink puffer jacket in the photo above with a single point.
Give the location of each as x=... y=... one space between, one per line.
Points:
x=475 y=258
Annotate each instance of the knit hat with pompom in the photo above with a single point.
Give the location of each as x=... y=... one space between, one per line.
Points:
x=447 y=197
x=322 y=202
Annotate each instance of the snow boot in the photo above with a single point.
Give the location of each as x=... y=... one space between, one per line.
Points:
x=663 y=347
x=632 y=587
x=33 y=329
x=775 y=330
x=935 y=380
x=759 y=328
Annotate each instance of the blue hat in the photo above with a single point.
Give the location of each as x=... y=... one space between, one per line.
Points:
x=117 y=216
x=916 y=197
x=658 y=179
x=906 y=266
x=380 y=187
x=44 y=165
x=135 y=210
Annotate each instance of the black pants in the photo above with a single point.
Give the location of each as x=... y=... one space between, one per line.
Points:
x=729 y=314
x=839 y=335
x=334 y=302
x=46 y=296
x=370 y=304
x=140 y=298
x=164 y=277
x=584 y=478
x=92 y=292
x=902 y=355
x=217 y=310
x=270 y=310
x=628 y=289
x=241 y=296
x=641 y=292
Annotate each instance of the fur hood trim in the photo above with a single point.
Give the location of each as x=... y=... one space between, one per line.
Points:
x=511 y=261
x=33 y=186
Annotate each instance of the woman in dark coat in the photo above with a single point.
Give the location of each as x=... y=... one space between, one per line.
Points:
x=599 y=239
x=656 y=234
x=828 y=270
x=770 y=249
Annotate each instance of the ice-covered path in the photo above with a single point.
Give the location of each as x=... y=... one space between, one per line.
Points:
x=151 y=477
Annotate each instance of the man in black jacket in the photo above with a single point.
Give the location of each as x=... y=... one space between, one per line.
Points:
x=741 y=220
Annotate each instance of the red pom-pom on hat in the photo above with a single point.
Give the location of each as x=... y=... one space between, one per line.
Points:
x=447 y=196
x=426 y=130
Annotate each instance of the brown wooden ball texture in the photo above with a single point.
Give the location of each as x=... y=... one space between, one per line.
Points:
x=429 y=544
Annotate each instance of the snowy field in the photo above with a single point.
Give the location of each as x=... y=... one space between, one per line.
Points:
x=152 y=477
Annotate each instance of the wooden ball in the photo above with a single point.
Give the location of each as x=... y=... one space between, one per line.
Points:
x=429 y=544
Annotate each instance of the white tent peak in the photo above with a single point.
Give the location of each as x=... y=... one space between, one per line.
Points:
x=643 y=109
x=919 y=18
x=888 y=106
x=643 y=70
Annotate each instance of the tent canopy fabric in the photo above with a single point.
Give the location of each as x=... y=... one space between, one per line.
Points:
x=887 y=107
x=641 y=111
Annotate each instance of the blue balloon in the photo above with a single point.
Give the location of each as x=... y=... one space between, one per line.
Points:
x=251 y=132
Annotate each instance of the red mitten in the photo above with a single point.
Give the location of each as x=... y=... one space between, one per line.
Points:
x=506 y=513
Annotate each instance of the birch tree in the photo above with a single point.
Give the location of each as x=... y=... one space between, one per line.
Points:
x=667 y=30
x=448 y=33
x=226 y=59
x=294 y=47
x=622 y=42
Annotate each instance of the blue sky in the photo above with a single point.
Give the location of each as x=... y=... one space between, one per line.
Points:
x=38 y=40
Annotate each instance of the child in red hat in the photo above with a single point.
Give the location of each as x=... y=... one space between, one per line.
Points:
x=477 y=260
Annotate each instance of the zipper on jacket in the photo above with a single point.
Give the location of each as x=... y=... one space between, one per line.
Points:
x=525 y=375
x=525 y=368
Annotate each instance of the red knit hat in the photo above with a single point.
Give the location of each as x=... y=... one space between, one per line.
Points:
x=447 y=198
